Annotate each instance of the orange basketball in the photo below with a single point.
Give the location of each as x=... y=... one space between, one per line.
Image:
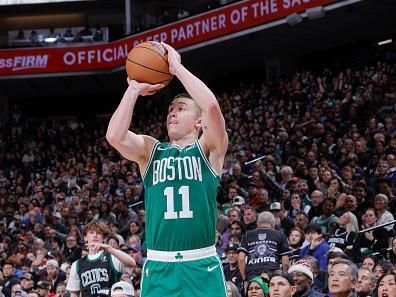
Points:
x=148 y=63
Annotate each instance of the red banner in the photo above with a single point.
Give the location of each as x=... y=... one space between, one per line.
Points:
x=206 y=26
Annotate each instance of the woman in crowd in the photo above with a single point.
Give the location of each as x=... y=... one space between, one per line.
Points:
x=297 y=205
x=344 y=236
x=377 y=240
x=105 y=213
x=382 y=267
x=368 y=262
x=113 y=242
x=257 y=287
x=386 y=285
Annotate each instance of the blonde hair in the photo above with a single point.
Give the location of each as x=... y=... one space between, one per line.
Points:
x=352 y=223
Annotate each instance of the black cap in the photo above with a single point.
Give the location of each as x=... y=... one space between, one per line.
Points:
x=231 y=247
x=43 y=285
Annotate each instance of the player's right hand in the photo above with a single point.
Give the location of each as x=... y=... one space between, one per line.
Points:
x=143 y=88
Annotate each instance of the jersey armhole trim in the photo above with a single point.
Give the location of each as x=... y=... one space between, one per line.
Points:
x=117 y=274
x=206 y=160
x=156 y=144
x=77 y=268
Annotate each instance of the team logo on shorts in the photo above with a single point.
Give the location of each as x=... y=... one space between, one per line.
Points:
x=261 y=250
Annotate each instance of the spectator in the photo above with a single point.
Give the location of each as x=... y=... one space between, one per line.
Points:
x=281 y=285
x=383 y=215
x=232 y=290
x=317 y=247
x=344 y=237
x=366 y=282
x=60 y=290
x=369 y=263
x=94 y=234
x=382 y=267
x=316 y=199
x=249 y=218
x=257 y=287
x=303 y=278
x=122 y=289
x=8 y=278
x=54 y=274
x=386 y=285
x=376 y=240
x=43 y=288
x=231 y=269
x=327 y=219
x=343 y=276
x=296 y=240
x=301 y=220
x=263 y=202
x=264 y=248
x=286 y=224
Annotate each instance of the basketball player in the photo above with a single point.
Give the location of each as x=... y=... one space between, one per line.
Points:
x=180 y=179
x=101 y=268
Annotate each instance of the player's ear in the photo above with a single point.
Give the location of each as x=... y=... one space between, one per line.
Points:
x=199 y=122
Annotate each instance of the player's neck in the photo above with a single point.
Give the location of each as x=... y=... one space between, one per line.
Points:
x=185 y=141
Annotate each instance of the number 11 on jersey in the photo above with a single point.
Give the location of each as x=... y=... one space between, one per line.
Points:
x=170 y=213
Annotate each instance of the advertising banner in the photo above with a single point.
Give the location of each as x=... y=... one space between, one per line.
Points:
x=68 y=58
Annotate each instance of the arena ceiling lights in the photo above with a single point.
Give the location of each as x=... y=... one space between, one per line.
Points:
x=25 y=2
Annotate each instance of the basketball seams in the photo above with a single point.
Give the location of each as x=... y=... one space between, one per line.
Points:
x=162 y=57
x=149 y=67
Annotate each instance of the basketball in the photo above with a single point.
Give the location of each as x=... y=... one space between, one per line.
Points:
x=148 y=63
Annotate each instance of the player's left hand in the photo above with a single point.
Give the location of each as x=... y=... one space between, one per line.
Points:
x=174 y=58
x=96 y=247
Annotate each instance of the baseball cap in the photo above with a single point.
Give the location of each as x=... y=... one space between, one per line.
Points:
x=57 y=215
x=238 y=200
x=27 y=276
x=275 y=206
x=127 y=289
x=302 y=266
x=231 y=247
x=52 y=263
x=135 y=247
x=43 y=285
